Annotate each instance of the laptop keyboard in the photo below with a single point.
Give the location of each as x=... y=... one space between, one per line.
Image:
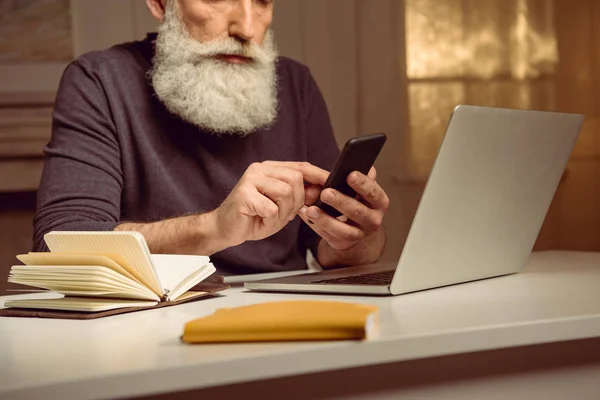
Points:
x=373 y=278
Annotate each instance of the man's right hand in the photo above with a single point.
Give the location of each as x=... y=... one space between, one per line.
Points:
x=264 y=200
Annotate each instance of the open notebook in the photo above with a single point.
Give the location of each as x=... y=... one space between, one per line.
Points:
x=103 y=271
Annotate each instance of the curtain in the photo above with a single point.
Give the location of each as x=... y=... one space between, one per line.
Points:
x=493 y=53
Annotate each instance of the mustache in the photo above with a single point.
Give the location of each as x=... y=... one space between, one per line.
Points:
x=229 y=46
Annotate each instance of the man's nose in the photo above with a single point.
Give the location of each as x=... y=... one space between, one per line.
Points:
x=242 y=22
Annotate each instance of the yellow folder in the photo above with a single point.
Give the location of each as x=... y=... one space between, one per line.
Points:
x=285 y=321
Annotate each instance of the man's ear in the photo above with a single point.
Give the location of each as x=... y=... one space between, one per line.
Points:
x=157 y=8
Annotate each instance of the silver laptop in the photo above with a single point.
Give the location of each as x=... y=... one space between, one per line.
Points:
x=482 y=209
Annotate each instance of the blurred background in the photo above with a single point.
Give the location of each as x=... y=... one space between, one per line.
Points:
x=394 y=66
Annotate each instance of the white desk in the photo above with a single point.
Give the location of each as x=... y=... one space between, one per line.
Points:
x=556 y=299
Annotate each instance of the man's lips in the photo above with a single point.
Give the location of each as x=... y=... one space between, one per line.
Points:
x=234 y=59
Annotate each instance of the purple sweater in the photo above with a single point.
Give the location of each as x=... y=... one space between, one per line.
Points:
x=117 y=155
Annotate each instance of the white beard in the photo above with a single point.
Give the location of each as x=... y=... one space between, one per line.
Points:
x=218 y=96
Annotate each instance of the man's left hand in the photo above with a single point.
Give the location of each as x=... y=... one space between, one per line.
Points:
x=361 y=219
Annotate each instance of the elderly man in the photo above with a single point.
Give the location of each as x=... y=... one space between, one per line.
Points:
x=204 y=140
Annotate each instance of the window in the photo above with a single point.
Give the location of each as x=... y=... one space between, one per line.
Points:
x=499 y=53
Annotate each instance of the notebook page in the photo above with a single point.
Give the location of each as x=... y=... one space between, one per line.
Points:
x=192 y=281
x=172 y=269
x=74 y=259
x=81 y=280
x=130 y=245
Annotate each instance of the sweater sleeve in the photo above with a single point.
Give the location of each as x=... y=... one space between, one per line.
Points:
x=322 y=149
x=81 y=183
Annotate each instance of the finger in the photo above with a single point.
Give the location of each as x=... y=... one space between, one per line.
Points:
x=295 y=180
x=368 y=219
x=257 y=204
x=279 y=191
x=311 y=173
x=318 y=229
x=340 y=234
x=369 y=190
x=258 y=172
x=311 y=193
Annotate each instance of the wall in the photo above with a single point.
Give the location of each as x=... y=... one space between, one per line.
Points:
x=576 y=212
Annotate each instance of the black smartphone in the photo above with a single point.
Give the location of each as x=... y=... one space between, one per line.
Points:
x=359 y=154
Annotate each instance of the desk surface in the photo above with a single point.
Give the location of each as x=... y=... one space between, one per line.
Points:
x=556 y=298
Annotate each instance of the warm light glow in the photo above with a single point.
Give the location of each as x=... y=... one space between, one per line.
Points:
x=494 y=52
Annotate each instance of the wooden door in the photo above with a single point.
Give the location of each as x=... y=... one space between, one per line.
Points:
x=574 y=220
